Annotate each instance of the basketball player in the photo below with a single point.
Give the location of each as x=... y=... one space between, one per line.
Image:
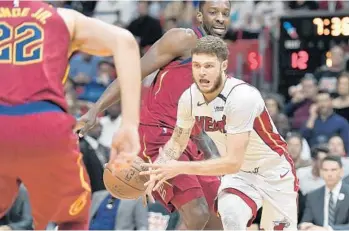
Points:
x=256 y=167
x=37 y=143
x=192 y=196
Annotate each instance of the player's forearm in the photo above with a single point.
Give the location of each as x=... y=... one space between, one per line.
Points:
x=171 y=151
x=127 y=59
x=213 y=167
x=109 y=97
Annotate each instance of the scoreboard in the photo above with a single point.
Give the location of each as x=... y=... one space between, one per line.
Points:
x=305 y=41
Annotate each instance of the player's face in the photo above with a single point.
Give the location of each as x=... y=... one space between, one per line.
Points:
x=331 y=172
x=215 y=17
x=208 y=72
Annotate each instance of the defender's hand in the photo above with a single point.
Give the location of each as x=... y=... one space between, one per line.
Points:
x=125 y=146
x=86 y=122
x=163 y=172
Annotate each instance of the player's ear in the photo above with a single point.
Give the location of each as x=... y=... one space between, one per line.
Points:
x=225 y=65
x=199 y=16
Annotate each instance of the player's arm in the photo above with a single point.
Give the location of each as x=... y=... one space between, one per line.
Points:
x=99 y=38
x=204 y=143
x=246 y=105
x=174 y=148
x=171 y=45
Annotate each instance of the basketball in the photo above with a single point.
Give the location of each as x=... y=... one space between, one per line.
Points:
x=125 y=183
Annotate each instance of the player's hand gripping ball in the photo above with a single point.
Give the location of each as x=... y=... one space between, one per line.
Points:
x=125 y=183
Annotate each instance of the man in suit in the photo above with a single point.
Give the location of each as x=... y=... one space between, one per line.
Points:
x=109 y=213
x=346 y=180
x=327 y=208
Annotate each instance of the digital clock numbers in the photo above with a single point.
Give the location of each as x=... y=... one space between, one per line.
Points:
x=304 y=43
x=334 y=26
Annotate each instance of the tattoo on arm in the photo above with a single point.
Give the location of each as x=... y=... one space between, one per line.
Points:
x=176 y=145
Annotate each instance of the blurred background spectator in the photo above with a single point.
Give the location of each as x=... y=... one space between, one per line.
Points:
x=19 y=216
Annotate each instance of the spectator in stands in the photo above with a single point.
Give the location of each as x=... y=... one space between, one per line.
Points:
x=303 y=5
x=95 y=155
x=303 y=96
x=323 y=122
x=19 y=217
x=160 y=219
x=145 y=28
x=327 y=75
x=294 y=144
x=327 y=208
x=336 y=146
x=110 y=124
x=83 y=67
x=341 y=103
x=309 y=177
x=94 y=88
x=274 y=106
x=108 y=213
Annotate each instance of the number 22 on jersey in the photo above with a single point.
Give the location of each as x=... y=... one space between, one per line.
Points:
x=21 y=45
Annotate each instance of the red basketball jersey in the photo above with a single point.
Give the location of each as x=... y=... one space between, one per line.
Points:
x=161 y=100
x=34 y=50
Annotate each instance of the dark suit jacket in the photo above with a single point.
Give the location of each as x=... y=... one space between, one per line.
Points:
x=346 y=180
x=19 y=217
x=314 y=208
x=93 y=166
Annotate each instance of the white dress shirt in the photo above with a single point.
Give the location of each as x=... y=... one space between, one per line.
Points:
x=335 y=194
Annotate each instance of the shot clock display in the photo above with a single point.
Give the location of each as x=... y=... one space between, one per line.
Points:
x=305 y=41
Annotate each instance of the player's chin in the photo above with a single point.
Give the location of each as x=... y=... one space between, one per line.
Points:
x=205 y=90
x=218 y=34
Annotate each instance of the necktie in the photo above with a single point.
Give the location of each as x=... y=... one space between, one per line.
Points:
x=331 y=210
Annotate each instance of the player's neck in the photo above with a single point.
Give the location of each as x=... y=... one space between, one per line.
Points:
x=212 y=95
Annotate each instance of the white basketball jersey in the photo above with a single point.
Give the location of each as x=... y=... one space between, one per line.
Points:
x=238 y=108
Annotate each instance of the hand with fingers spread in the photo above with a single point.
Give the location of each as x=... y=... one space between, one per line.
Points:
x=161 y=172
x=125 y=146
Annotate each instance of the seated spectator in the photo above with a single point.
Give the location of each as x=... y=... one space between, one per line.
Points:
x=95 y=156
x=274 y=106
x=294 y=144
x=19 y=217
x=83 y=67
x=303 y=96
x=160 y=219
x=145 y=28
x=93 y=89
x=336 y=146
x=309 y=177
x=110 y=124
x=108 y=213
x=341 y=103
x=323 y=122
x=327 y=75
x=327 y=208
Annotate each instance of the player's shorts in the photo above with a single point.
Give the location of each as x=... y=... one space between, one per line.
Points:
x=182 y=188
x=39 y=149
x=275 y=189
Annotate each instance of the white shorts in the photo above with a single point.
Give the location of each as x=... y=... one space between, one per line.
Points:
x=276 y=190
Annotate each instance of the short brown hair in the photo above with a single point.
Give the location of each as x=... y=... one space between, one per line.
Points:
x=212 y=45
